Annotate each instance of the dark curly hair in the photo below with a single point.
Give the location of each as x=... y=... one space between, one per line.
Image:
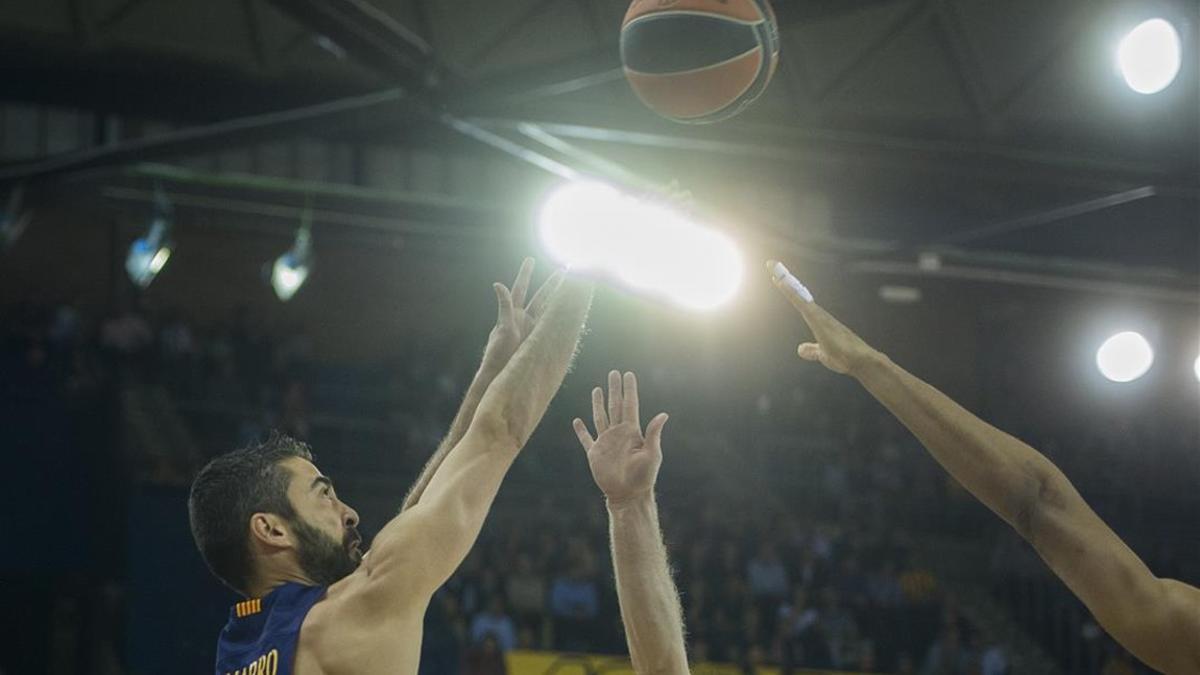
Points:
x=228 y=491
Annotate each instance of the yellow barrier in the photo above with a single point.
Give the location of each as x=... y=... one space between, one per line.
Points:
x=554 y=663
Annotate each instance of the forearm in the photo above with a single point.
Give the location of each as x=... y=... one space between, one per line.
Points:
x=1148 y=616
x=520 y=394
x=1008 y=476
x=458 y=427
x=648 y=598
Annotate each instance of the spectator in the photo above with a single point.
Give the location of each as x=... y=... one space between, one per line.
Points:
x=1119 y=663
x=574 y=605
x=485 y=658
x=883 y=587
x=494 y=623
x=526 y=591
x=918 y=585
x=127 y=335
x=766 y=575
x=803 y=643
x=947 y=655
x=840 y=629
x=993 y=660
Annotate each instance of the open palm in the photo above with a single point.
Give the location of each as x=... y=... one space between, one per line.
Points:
x=624 y=462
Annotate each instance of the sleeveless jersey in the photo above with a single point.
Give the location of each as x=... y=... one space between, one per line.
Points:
x=262 y=633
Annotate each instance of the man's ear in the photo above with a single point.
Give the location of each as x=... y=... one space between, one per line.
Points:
x=270 y=530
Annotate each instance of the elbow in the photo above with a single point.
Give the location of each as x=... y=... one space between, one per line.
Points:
x=1043 y=493
x=496 y=430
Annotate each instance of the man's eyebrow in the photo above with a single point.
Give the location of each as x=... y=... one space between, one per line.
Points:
x=321 y=480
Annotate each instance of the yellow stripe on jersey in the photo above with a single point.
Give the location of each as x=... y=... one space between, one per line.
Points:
x=247 y=608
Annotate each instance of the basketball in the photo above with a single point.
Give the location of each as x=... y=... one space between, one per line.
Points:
x=699 y=61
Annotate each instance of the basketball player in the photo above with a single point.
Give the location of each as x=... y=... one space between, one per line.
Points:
x=1158 y=620
x=270 y=525
x=625 y=463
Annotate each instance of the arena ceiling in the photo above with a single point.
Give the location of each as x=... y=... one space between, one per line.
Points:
x=992 y=126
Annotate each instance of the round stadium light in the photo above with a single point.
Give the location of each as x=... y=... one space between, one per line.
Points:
x=647 y=245
x=1197 y=368
x=1124 y=357
x=1150 y=56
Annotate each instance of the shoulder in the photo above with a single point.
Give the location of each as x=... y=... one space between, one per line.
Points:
x=358 y=605
x=349 y=630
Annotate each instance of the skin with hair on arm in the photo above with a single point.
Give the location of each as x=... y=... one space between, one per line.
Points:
x=514 y=323
x=371 y=621
x=1155 y=619
x=625 y=464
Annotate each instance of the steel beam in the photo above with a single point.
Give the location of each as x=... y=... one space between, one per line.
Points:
x=792 y=146
x=209 y=137
x=1048 y=216
x=372 y=36
x=919 y=9
x=119 y=14
x=505 y=33
x=1181 y=295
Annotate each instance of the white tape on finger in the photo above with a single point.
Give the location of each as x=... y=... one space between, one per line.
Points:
x=782 y=275
x=801 y=290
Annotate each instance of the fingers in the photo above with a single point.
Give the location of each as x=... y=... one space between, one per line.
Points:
x=504 y=302
x=614 y=398
x=820 y=322
x=521 y=285
x=581 y=431
x=792 y=289
x=655 y=428
x=599 y=416
x=538 y=303
x=809 y=351
x=629 y=411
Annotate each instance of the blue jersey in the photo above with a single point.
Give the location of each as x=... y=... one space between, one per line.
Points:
x=262 y=633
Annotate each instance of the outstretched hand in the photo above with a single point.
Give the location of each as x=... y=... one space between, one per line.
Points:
x=515 y=318
x=624 y=462
x=837 y=347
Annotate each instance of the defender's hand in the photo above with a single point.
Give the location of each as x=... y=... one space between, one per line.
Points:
x=516 y=319
x=624 y=463
x=837 y=347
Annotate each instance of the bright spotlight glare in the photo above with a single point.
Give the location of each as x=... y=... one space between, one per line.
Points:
x=1124 y=357
x=1197 y=368
x=1150 y=56
x=287 y=276
x=647 y=245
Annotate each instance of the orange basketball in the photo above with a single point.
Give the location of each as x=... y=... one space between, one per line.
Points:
x=699 y=61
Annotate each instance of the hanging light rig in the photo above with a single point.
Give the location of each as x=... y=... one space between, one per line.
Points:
x=14 y=219
x=150 y=253
x=290 y=270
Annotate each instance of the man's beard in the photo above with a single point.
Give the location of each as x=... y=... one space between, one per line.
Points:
x=323 y=559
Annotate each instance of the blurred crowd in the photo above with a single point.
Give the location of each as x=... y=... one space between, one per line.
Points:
x=758 y=588
x=804 y=557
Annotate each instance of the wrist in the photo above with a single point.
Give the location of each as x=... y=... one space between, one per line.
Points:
x=492 y=363
x=630 y=502
x=870 y=365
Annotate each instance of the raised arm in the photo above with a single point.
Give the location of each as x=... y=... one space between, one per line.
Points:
x=418 y=550
x=514 y=323
x=625 y=465
x=1155 y=619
